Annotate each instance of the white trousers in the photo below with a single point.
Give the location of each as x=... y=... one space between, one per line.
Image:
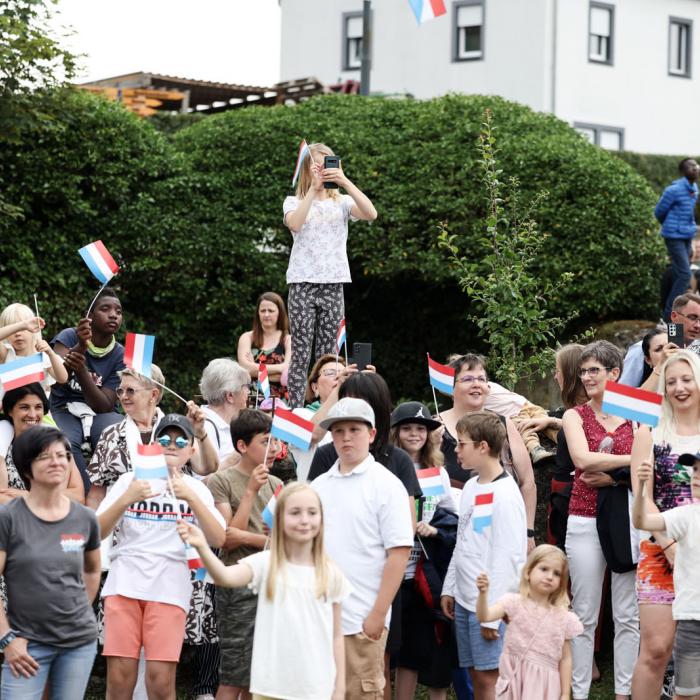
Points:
x=587 y=569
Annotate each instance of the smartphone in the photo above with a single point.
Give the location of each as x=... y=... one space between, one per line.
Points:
x=331 y=162
x=361 y=355
x=676 y=334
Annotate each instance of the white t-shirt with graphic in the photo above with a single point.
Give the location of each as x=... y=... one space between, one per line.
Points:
x=683 y=525
x=148 y=561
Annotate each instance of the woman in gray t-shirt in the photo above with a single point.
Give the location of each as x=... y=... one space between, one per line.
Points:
x=50 y=558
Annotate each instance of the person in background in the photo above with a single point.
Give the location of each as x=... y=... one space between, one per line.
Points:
x=656 y=350
x=269 y=343
x=675 y=211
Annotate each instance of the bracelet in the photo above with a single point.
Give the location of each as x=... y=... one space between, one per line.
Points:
x=8 y=639
x=202 y=438
x=670 y=544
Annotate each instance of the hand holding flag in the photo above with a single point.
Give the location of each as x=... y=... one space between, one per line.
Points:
x=268 y=515
x=23 y=370
x=303 y=153
x=149 y=462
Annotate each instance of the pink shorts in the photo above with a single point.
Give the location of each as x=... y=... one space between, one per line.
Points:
x=131 y=624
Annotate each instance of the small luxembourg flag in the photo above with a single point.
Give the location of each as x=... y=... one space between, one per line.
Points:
x=442 y=377
x=634 y=404
x=291 y=428
x=21 y=371
x=263 y=381
x=427 y=9
x=194 y=563
x=138 y=353
x=150 y=462
x=303 y=152
x=340 y=337
x=483 y=508
x=268 y=515
x=430 y=482
x=100 y=262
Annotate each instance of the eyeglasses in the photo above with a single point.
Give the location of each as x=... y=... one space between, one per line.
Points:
x=592 y=371
x=128 y=391
x=471 y=379
x=693 y=318
x=44 y=456
x=180 y=442
x=329 y=372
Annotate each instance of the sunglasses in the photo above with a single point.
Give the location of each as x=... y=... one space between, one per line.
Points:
x=129 y=391
x=180 y=442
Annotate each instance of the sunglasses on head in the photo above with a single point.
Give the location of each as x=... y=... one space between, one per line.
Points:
x=180 y=442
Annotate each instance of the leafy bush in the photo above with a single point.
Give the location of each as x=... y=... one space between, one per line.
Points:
x=197 y=219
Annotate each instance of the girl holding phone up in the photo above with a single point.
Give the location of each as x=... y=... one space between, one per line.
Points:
x=318 y=217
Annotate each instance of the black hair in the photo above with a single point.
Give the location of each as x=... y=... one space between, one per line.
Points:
x=471 y=361
x=374 y=390
x=107 y=292
x=250 y=422
x=14 y=396
x=649 y=336
x=30 y=444
x=682 y=164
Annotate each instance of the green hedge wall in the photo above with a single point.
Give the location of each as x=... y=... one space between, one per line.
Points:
x=196 y=218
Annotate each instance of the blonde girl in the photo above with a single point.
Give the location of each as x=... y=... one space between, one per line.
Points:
x=318 y=264
x=301 y=592
x=536 y=661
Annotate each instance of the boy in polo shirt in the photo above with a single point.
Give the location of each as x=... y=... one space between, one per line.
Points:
x=368 y=532
x=491 y=537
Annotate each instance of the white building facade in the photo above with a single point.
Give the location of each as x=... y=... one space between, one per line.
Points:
x=623 y=72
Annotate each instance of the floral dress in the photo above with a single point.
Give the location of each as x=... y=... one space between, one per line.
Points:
x=271 y=357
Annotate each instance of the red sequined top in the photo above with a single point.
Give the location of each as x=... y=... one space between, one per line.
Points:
x=583 y=497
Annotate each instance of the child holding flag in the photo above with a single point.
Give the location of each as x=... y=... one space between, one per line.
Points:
x=298 y=643
x=147 y=591
x=317 y=217
x=241 y=494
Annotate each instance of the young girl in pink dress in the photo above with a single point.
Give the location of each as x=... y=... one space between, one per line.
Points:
x=536 y=661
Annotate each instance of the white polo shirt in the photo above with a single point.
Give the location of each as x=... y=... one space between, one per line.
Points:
x=219 y=432
x=365 y=513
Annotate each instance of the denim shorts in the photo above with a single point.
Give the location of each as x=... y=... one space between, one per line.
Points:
x=686 y=657
x=474 y=651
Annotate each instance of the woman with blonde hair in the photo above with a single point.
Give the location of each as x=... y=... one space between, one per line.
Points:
x=317 y=216
x=299 y=602
x=677 y=432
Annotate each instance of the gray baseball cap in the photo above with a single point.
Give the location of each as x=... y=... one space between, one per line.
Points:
x=349 y=409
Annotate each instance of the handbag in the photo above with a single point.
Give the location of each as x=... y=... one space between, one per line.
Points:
x=619 y=544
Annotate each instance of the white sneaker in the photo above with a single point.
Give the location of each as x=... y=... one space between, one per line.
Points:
x=206 y=696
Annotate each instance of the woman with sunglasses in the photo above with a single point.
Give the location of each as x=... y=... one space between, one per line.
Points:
x=599 y=443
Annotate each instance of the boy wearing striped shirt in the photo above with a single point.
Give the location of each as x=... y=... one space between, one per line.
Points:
x=491 y=538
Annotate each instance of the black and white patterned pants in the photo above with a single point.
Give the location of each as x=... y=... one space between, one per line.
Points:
x=315 y=312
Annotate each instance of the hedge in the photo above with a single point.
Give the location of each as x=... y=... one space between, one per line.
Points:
x=196 y=218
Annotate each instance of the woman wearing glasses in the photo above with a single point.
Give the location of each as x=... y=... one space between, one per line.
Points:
x=599 y=443
x=470 y=391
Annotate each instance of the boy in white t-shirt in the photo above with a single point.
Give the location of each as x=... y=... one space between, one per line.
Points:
x=148 y=588
x=683 y=525
x=369 y=534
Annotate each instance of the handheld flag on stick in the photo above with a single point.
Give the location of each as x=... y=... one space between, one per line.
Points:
x=430 y=482
x=263 y=381
x=195 y=563
x=341 y=337
x=150 y=462
x=23 y=370
x=427 y=9
x=100 y=262
x=303 y=152
x=268 y=515
x=633 y=404
x=138 y=352
x=441 y=377
x=291 y=428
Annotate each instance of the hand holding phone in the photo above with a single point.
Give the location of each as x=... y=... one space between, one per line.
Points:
x=331 y=162
x=361 y=355
x=676 y=334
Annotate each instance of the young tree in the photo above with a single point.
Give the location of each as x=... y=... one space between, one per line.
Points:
x=511 y=301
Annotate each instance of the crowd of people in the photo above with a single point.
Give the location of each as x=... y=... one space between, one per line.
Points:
x=399 y=549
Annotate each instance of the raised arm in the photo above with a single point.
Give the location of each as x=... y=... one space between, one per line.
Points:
x=484 y=611
x=641 y=518
x=581 y=456
x=137 y=490
x=362 y=207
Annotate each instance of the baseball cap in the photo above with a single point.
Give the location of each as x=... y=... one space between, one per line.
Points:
x=413 y=412
x=688 y=459
x=349 y=408
x=175 y=420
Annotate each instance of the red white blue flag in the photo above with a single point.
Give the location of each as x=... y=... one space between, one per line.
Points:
x=263 y=381
x=430 y=481
x=341 y=337
x=149 y=462
x=138 y=353
x=633 y=404
x=100 y=262
x=195 y=564
x=23 y=370
x=427 y=9
x=303 y=152
x=268 y=515
x=442 y=377
x=291 y=428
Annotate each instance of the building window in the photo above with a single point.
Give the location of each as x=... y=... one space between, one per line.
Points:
x=611 y=138
x=601 y=28
x=680 y=37
x=468 y=30
x=352 y=41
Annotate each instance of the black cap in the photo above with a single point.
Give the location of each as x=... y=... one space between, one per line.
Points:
x=413 y=412
x=688 y=460
x=175 y=420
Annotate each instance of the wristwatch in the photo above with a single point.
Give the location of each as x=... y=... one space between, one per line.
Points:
x=9 y=637
x=530 y=533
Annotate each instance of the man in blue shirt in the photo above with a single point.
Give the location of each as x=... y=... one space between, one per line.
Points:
x=676 y=213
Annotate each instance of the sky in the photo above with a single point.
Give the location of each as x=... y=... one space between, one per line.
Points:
x=231 y=41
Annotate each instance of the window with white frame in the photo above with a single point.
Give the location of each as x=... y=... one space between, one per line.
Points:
x=680 y=36
x=468 y=30
x=352 y=41
x=611 y=138
x=601 y=26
